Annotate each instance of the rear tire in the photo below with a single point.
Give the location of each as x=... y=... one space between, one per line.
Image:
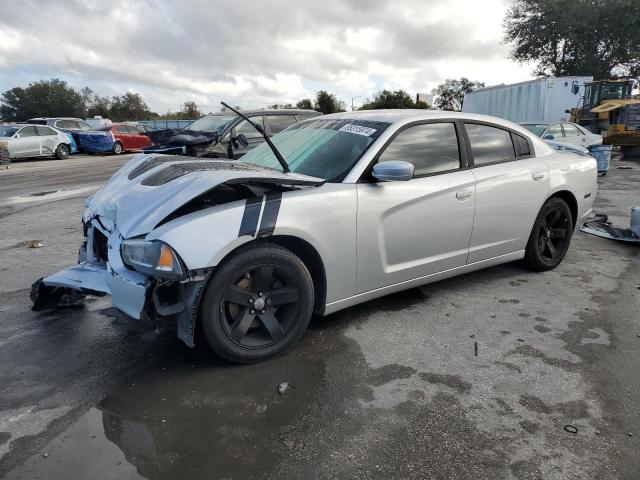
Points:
x=550 y=236
x=62 y=152
x=258 y=304
x=117 y=148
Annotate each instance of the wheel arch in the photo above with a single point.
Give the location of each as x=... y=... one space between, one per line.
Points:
x=307 y=253
x=570 y=199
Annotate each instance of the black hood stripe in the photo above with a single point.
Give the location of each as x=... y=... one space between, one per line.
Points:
x=250 y=217
x=270 y=214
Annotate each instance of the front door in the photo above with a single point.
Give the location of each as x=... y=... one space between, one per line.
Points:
x=26 y=143
x=511 y=185
x=411 y=229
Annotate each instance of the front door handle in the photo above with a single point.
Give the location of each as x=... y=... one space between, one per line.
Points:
x=463 y=194
x=537 y=175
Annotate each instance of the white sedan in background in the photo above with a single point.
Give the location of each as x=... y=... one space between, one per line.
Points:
x=564 y=132
x=333 y=211
x=25 y=141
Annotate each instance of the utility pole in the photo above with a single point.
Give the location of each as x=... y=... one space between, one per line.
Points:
x=352 y=99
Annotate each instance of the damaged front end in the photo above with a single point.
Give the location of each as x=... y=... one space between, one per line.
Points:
x=141 y=247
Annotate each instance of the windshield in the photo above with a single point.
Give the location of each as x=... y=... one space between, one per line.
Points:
x=211 y=123
x=535 y=128
x=7 y=131
x=326 y=149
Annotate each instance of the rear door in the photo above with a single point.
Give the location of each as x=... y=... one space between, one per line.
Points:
x=572 y=136
x=511 y=185
x=411 y=229
x=253 y=136
x=26 y=143
x=48 y=140
x=121 y=133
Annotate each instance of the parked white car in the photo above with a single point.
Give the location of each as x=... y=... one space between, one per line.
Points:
x=343 y=209
x=24 y=141
x=565 y=132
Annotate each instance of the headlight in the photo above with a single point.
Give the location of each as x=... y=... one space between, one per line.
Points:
x=153 y=258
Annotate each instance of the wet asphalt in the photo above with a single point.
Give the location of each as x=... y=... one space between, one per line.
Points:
x=501 y=373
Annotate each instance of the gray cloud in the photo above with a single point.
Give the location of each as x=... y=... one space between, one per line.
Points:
x=251 y=53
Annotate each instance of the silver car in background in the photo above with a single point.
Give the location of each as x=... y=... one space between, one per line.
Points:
x=25 y=141
x=345 y=208
x=564 y=132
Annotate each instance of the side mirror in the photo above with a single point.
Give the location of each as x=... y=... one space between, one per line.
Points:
x=393 y=171
x=241 y=139
x=17 y=135
x=549 y=136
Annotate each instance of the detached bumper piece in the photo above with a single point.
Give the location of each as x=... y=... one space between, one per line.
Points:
x=601 y=227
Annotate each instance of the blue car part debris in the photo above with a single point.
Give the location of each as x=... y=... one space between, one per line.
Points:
x=602 y=154
x=96 y=142
x=73 y=146
x=601 y=227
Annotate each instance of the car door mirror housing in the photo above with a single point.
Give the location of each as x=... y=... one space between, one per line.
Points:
x=549 y=136
x=393 y=171
x=241 y=139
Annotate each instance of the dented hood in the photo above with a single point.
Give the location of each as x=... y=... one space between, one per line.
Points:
x=150 y=187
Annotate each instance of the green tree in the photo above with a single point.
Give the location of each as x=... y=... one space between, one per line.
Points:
x=305 y=104
x=190 y=110
x=576 y=37
x=327 y=103
x=44 y=98
x=129 y=106
x=450 y=94
x=388 y=99
x=99 y=106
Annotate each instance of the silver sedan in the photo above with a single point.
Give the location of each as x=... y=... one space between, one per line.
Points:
x=24 y=141
x=338 y=210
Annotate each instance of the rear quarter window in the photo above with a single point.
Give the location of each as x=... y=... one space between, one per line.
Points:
x=489 y=144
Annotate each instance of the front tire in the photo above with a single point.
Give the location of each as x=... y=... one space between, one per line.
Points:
x=117 y=148
x=550 y=236
x=62 y=152
x=258 y=304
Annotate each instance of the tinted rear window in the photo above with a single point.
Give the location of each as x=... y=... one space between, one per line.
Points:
x=489 y=144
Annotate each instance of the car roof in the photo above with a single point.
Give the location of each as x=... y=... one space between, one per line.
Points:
x=283 y=111
x=410 y=115
x=55 y=118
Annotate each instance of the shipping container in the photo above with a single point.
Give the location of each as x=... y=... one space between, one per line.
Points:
x=541 y=100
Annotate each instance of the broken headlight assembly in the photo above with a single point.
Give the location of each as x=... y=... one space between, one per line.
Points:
x=152 y=257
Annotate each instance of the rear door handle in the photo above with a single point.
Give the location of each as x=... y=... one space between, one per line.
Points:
x=463 y=194
x=537 y=175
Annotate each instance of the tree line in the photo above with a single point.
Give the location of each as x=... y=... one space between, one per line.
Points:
x=55 y=98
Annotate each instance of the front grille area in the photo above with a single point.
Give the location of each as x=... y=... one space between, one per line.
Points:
x=100 y=246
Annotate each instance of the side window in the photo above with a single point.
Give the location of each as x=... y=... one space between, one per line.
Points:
x=83 y=126
x=121 y=129
x=246 y=129
x=570 y=130
x=62 y=124
x=431 y=148
x=521 y=145
x=555 y=130
x=277 y=123
x=28 y=132
x=44 y=131
x=489 y=144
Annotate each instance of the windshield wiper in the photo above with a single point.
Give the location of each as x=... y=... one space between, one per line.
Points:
x=261 y=131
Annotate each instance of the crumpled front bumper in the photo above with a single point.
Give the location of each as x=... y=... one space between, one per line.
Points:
x=95 y=275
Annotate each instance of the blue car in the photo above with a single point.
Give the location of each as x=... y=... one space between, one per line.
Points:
x=96 y=141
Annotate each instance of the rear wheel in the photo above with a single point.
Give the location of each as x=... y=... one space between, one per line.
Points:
x=62 y=152
x=117 y=148
x=550 y=237
x=258 y=304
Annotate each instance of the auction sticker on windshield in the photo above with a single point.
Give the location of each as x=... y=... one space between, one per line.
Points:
x=358 y=130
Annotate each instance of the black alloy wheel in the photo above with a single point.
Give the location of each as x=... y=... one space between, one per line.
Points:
x=550 y=237
x=260 y=307
x=257 y=304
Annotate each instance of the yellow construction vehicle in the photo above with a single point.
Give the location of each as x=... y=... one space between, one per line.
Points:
x=609 y=108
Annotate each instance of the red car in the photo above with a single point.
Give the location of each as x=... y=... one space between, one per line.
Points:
x=115 y=138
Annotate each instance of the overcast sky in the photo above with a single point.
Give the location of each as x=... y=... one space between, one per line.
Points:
x=253 y=52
